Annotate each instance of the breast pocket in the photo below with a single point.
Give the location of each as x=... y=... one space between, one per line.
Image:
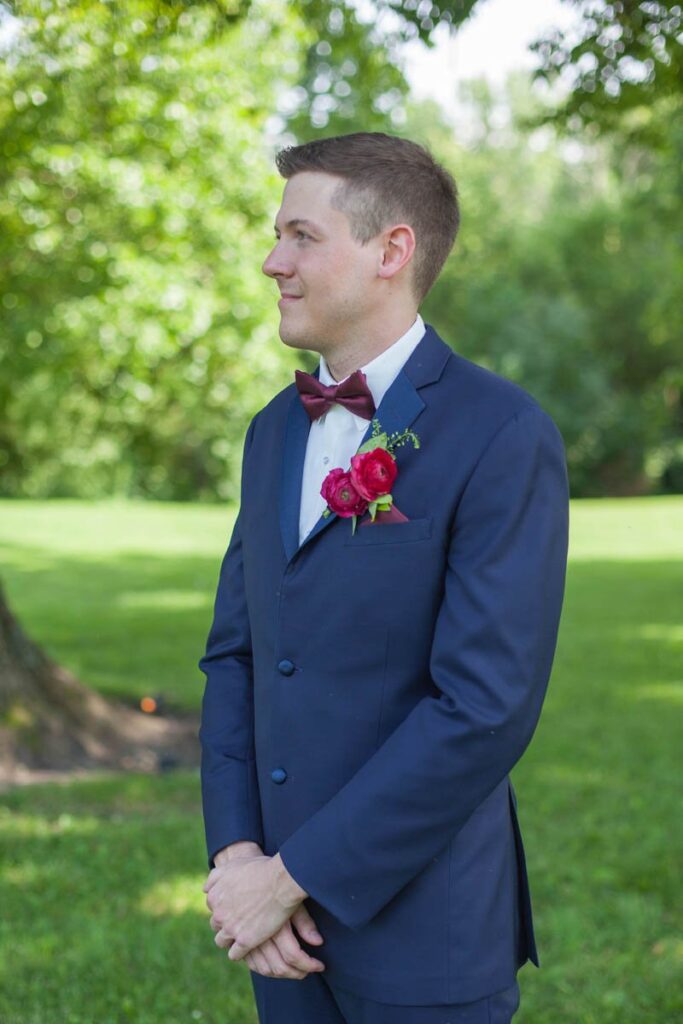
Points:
x=391 y=533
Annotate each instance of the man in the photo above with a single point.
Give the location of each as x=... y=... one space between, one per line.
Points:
x=375 y=671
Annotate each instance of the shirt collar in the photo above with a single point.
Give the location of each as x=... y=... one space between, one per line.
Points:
x=381 y=372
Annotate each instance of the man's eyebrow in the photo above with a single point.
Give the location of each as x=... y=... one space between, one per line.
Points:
x=297 y=222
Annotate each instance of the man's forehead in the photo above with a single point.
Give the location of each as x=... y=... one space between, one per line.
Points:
x=306 y=201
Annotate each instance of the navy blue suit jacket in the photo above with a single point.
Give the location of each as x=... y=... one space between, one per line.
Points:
x=368 y=694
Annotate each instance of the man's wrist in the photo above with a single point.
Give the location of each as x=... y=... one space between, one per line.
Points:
x=287 y=891
x=242 y=848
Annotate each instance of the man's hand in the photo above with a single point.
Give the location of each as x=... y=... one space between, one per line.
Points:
x=251 y=897
x=281 y=956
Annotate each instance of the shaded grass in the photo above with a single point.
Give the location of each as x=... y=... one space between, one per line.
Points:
x=119 y=593
x=599 y=794
x=103 y=919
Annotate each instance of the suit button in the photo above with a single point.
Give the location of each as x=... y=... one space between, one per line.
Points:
x=278 y=775
x=286 y=667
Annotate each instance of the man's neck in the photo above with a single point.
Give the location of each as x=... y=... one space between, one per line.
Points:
x=345 y=358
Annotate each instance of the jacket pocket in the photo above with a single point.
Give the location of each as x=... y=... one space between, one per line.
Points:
x=391 y=533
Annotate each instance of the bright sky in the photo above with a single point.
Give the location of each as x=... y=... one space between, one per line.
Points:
x=493 y=42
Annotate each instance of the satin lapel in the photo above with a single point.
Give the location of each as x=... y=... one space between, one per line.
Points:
x=397 y=411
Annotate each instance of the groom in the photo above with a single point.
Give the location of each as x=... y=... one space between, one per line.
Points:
x=379 y=655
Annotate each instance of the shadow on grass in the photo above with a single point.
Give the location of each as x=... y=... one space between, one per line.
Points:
x=128 y=625
x=104 y=918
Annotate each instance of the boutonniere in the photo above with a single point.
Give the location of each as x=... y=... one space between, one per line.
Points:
x=366 y=485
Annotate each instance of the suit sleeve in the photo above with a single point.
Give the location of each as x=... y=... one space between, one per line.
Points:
x=492 y=652
x=230 y=798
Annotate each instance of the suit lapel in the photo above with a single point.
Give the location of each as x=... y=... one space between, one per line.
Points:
x=397 y=411
x=296 y=437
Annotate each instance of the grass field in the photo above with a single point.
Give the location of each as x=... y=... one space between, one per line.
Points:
x=102 y=918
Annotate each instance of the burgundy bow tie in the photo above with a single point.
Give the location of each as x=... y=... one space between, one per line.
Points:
x=353 y=393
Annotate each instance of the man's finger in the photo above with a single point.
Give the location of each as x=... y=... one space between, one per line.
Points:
x=292 y=953
x=223 y=940
x=305 y=925
x=238 y=951
x=214 y=875
x=260 y=964
x=278 y=966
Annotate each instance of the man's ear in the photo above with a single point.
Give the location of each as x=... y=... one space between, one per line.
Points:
x=398 y=246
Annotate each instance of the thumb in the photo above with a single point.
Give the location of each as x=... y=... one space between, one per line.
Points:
x=305 y=925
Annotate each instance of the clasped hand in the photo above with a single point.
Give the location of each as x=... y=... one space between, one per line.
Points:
x=254 y=923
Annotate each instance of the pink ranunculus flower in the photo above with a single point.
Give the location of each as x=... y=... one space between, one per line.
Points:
x=373 y=473
x=341 y=495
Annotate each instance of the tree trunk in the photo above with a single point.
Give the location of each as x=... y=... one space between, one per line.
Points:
x=49 y=721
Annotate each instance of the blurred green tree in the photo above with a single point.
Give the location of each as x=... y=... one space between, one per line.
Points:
x=619 y=61
x=621 y=68
x=136 y=200
x=567 y=278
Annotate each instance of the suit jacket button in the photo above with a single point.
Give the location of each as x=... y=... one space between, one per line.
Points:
x=286 y=667
x=278 y=775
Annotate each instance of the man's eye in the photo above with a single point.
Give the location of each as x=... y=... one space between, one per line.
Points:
x=299 y=234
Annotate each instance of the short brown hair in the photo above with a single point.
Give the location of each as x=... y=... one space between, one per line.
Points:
x=388 y=180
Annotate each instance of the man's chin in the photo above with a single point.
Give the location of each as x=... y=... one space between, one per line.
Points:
x=293 y=338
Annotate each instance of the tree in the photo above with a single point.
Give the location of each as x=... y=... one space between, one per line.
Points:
x=136 y=199
x=624 y=59
x=621 y=59
x=136 y=204
x=133 y=174
x=566 y=277
x=49 y=720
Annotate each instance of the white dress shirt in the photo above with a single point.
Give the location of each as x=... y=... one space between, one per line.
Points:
x=336 y=435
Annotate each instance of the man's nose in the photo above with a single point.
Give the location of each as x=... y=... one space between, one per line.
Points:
x=275 y=263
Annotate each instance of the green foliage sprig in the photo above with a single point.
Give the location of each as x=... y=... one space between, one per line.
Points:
x=379 y=439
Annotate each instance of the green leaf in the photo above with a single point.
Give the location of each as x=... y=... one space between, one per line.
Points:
x=380 y=441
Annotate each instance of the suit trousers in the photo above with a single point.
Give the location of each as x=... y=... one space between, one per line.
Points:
x=314 y=1001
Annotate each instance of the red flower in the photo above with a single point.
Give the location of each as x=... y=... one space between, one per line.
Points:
x=341 y=495
x=373 y=473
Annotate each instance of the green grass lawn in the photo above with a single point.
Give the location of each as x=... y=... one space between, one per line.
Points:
x=102 y=917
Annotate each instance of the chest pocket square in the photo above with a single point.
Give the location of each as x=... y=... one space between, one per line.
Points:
x=391 y=533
